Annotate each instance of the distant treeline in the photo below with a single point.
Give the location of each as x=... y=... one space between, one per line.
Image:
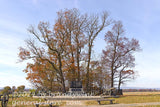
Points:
x=141 y=90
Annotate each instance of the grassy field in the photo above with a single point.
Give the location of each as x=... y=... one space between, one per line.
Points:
x=133 y=97
x=149 y=106
x=141 y=93
x=127 y=98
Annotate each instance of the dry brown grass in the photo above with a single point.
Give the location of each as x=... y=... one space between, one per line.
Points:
x=141 y=93
x=133 y=97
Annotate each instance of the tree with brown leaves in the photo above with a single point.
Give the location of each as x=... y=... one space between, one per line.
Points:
x=51 y=50
x=72 y=24
x=119 y=55
x=58 y=52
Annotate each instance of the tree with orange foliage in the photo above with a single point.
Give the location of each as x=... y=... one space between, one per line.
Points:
x=41 y=74
x=119 y=55
x=50 y=53
x=72 y=24
x=58 y=53
x=60 y=50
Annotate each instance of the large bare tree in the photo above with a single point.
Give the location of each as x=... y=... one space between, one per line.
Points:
x=119 y=54
x=95 y=25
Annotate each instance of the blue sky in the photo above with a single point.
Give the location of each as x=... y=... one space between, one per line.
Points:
x=141 y=19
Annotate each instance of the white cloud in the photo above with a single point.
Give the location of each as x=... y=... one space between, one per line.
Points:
x=148 y=70
x=11 y=74
x=12 y=26
x=9 y=49
x=8 y=78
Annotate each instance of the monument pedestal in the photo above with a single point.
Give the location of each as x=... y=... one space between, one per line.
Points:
x=76 y=87
x=76 y=90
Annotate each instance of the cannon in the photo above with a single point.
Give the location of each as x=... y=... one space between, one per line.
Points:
x=4 y=99
x=113 y=92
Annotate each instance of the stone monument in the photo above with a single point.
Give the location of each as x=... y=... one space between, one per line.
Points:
x=76 y=87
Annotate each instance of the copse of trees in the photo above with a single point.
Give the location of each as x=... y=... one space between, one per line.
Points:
x=13 y=88
x=6 y=89
x=64 y=52
x=20 y=88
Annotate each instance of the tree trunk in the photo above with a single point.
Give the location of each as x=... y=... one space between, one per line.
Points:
x=87 y=75
x=119 y=84
x=51 y=89
x=61 y=74
x=78 y=68
x=112 y=80
x=63 y=86
x=112 y=75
